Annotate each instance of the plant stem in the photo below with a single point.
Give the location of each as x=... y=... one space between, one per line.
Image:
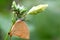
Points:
x=6 y=38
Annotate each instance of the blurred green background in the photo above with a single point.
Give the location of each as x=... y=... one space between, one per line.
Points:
x=44 y=26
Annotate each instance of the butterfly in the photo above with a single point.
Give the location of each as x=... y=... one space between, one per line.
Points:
x=20 y=29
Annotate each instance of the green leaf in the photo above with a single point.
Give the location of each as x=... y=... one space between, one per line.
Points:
x=13 y=4
x=22 y=9
x=37 y=9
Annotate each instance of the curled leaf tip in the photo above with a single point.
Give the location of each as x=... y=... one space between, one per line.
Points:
x=37 y=9
x=13 y=4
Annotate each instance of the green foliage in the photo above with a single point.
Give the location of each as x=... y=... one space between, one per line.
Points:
x=18 y=10
x=44 y=26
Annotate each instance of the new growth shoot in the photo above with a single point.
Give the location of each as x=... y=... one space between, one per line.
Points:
x=33 y=11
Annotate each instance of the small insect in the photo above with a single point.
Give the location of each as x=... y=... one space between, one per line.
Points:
x=20 y=29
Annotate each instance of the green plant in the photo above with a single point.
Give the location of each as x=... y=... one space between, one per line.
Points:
x=19 y=12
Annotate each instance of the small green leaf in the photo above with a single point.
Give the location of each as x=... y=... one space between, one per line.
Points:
x=22 y=9
x=37 y=9
x=13 y=4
